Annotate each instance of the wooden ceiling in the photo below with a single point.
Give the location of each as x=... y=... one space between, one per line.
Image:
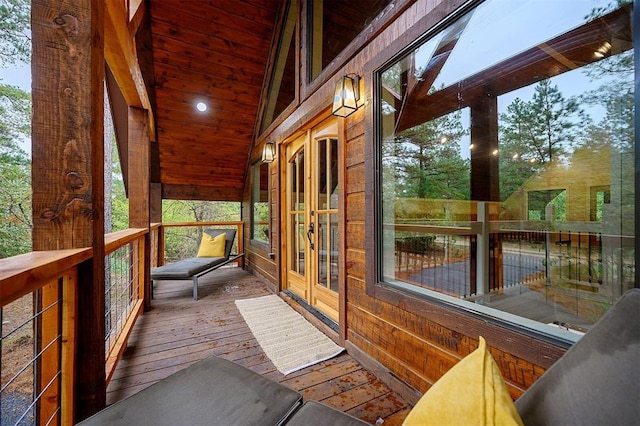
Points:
x=216 y=52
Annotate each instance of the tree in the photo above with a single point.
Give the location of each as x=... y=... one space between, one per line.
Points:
x=15 y=125
x=15 y=42
x=537 y=132
x=15 y=172
x=429 y=162
x=181 y=242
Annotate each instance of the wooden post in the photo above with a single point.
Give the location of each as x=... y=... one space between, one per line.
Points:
x=139 y=190
x=68 y=177
x=485 y=186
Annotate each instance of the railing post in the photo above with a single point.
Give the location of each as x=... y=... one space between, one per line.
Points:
x=69 y=325
x=482 y=264
x=161 y=244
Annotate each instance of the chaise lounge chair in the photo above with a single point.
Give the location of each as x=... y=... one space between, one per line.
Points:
x=194 y=267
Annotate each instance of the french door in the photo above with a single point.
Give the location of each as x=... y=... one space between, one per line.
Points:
x=312 y=194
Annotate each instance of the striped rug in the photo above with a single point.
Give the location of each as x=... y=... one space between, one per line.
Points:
x=289 y=340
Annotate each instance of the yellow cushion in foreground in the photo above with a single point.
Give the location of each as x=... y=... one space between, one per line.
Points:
x=473 y=392
x=212 y=246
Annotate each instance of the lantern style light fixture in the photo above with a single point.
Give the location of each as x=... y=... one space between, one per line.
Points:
x=269 y=152
x=347 y=95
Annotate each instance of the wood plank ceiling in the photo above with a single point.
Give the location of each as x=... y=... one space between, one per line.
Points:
x=216 y=52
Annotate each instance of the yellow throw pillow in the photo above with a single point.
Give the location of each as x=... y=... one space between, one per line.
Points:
x=473 y=392
x=212 y=246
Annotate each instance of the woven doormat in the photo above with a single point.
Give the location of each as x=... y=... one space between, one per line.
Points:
x=289 y=340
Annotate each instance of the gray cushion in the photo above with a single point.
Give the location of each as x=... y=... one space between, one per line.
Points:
x=315 y=413
x=597 y=381
x=213 y=391
x=185 y=268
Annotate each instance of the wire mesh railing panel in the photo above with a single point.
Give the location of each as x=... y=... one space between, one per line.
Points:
x=121 y=290
x=31 y=367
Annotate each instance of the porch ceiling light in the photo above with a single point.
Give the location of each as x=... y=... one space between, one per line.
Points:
x=347 y=95
x=269 y=152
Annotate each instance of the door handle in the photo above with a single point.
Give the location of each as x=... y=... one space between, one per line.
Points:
x=309 y=232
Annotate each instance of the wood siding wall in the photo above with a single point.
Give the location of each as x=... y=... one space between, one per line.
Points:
x=407 y=338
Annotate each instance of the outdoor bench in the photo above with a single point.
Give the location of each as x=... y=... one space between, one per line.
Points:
x=194 y=267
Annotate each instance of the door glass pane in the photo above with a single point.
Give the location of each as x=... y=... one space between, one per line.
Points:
x=322 y=174
x=322 y=249
x=294 y=183
x=300 y=177
x=333 y=254
x=297 y=243
x=332 y=172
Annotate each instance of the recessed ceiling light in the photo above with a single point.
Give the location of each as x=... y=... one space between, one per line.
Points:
x=201 y=106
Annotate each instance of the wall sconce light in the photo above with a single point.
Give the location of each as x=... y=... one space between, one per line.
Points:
x=269 y=152
x=347 y=95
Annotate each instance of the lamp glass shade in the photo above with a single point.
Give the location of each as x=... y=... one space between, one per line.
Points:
x=269 y=152
x=346 y=96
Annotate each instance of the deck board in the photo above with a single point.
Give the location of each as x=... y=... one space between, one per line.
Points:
x=179 y=331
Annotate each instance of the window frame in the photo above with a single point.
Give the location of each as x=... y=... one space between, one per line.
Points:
x=413 y=298
x=256 y=180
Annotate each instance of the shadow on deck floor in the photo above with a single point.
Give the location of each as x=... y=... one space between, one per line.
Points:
x=179 y=331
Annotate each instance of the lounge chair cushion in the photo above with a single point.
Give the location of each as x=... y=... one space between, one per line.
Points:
x=185 y=268
x=211 y=246
x=213 y=391
x=597 y=381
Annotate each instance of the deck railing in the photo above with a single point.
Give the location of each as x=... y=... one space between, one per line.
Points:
x=38 y=318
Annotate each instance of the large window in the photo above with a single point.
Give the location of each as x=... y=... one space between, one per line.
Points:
x=260 y=202
x=506 y=156
x=282 y=86
x=332 y=26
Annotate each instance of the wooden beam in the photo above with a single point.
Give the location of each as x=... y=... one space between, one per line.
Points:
x=206 y=193
x=120 y=54
x=68 y=184
x=139 y=192
x=138 y=168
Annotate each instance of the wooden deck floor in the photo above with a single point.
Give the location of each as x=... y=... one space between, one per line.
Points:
x=179 y=331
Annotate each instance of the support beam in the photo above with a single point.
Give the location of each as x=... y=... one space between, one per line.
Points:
x=485 y=186
x=68 y=184
x=139 y=190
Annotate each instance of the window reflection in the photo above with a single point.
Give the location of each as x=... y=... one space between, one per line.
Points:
x=333 y=24
x=535 y=127
x=260 y=202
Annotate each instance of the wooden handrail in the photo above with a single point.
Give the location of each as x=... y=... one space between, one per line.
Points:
x=25 y=273
x=236 y=223
x=115 y=240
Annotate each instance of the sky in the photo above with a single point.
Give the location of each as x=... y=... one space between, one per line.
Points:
x=21 y=77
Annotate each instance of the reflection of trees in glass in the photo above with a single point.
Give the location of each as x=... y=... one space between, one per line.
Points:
x=428 y=160
x=539 y=200
x=535 y=133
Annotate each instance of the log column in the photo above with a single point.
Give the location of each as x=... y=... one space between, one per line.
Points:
x=485 y=186
x=139 y=189
x=68 y=173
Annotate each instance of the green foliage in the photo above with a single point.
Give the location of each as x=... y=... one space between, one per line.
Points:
x=182 y=242
x=427 y=160
x=15 y=172
x=15 y=41
x=534 y=133
x=119 y=201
